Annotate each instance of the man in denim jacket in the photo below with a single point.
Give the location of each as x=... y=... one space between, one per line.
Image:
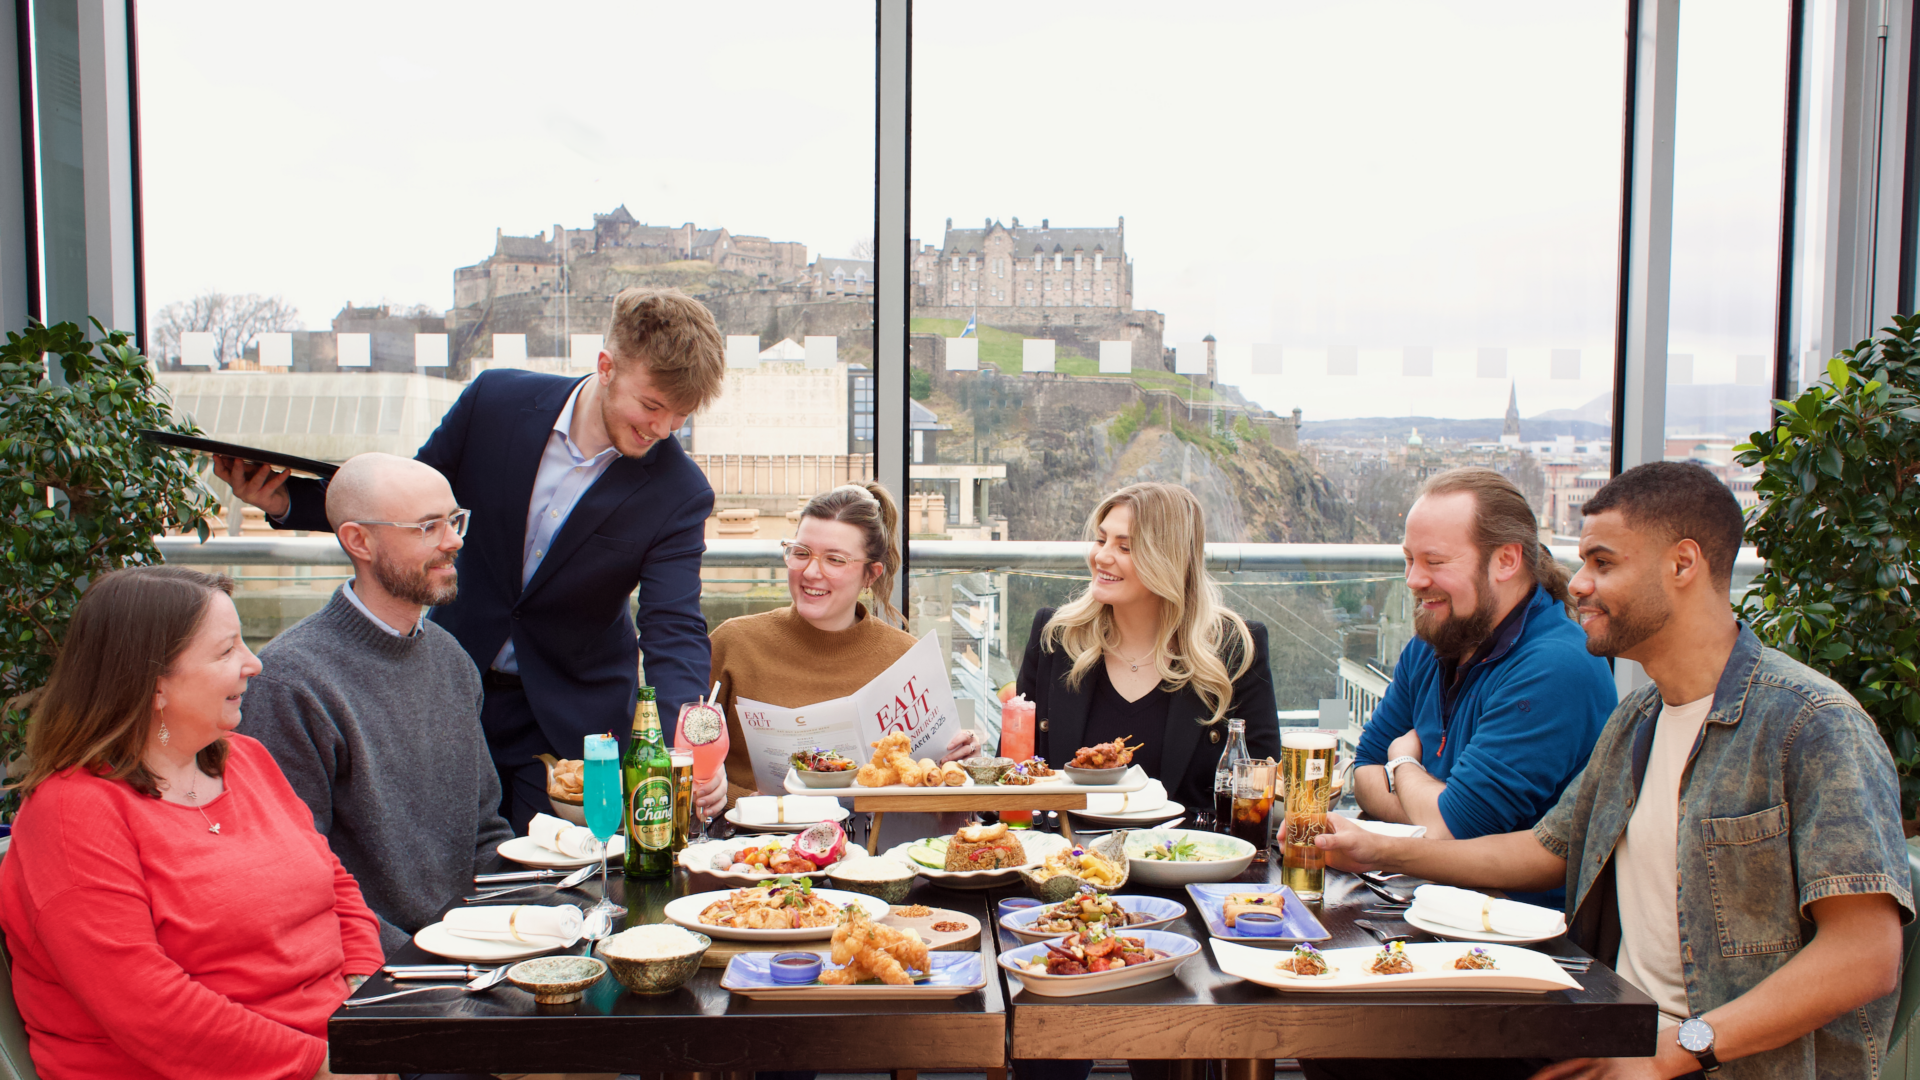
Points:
x=1733 y=847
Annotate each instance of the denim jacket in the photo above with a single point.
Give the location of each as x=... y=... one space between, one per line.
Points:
x=1789 y=796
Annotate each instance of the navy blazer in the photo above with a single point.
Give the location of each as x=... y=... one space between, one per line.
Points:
x=643 y=522
x=1193 y=747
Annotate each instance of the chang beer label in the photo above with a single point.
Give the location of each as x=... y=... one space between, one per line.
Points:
x=652 y=811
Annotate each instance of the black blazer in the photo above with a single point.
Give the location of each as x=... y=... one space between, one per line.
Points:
x=1192 y=748
x=643 y=522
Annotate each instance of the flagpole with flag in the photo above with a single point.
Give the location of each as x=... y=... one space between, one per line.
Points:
x=969 y=331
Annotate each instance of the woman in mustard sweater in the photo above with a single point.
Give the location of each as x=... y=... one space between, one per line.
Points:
x=827 y=643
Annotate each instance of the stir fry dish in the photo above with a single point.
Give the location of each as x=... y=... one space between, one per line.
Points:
x=983 y=847
x=868 y=951
x=1305 y=961
x=818 y=760
x=1475 y=959
x=1086 y=864
x=786 y=905
x=1084 y=912
x=1091 y=951
x=1107 y=755
x=1181 y=850
x=1391 y=960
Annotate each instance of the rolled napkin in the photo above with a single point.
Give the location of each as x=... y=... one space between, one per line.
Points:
x=784 y=809
x=563 y=836
x=527 y=923
x=1151 y=797
x=1464 y=909
x=1390 y=828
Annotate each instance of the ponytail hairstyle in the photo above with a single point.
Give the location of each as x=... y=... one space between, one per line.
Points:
x=1501 y=517
x=869 y=508
x=1199 y=641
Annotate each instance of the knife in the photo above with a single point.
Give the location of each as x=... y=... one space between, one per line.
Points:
x=518 y=875
x=433 y=971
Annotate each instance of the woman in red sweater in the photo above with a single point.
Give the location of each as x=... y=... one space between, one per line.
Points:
x=170 y=909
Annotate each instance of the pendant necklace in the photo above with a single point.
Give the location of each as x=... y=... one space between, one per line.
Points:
x=1132 y=664
x=193 y=800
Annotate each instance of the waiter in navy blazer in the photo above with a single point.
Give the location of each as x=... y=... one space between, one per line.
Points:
x=579 y=493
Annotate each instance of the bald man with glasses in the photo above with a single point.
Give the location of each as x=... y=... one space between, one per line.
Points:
x=373 y=711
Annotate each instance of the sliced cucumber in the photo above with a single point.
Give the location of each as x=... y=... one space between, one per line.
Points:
x=927 y=855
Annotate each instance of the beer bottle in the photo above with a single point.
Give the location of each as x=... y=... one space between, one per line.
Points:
x=648 y=775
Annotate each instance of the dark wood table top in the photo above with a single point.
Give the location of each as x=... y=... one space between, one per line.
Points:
x=1200 y=1012
x=698 y=1028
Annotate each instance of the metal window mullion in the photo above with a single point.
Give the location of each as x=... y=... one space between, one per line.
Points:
x=891 y=314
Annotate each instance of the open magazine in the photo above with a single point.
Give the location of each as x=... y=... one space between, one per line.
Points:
x=914 y=696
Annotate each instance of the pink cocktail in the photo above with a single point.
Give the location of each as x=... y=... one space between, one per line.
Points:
x=1016 y=742
x=702 y=732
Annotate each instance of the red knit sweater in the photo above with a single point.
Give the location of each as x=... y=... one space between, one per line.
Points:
x=146 y=946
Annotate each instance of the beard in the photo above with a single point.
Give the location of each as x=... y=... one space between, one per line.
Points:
x=1630 y=621
x=1458 y=634
x=414 y=583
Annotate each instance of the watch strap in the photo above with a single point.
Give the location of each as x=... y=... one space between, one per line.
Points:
x=1394 y=766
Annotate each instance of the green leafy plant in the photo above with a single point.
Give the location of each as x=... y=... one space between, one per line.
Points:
x=1839 y=527
x=80 y=492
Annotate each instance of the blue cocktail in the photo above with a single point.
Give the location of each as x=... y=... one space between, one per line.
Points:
x=602 y=799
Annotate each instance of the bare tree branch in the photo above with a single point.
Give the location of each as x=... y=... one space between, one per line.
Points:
x=235 y=320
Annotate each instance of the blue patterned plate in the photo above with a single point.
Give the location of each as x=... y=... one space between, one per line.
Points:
x=954 y=973
x=1297 y=923
x=1159 y=913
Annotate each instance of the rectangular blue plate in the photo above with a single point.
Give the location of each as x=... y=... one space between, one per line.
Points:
x=1296 y=922
x=954 y=973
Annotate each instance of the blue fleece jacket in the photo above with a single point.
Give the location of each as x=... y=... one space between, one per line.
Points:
x=1523 y=722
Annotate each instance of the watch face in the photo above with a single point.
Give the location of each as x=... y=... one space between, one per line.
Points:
x=1696 y=1036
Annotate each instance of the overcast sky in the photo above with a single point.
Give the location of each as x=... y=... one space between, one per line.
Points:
x=1374 y=176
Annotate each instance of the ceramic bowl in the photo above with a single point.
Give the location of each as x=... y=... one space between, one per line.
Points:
x=795 y=968
x=987 y=770
x=1228 y=857
x=556 y=980
x=1053 y=888
x=1094 y=776
x=891 y=887
x=842 y=778
x=662 y=975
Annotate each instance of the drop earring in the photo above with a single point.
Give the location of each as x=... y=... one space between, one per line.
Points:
x=165 y=735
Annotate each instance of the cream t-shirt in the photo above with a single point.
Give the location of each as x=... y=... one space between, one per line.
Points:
x=1646 y=866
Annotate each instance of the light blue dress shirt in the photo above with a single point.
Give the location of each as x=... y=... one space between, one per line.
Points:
x=376 y=620
x=564 y=476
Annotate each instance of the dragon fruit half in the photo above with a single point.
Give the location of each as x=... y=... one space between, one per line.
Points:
x=822 y=844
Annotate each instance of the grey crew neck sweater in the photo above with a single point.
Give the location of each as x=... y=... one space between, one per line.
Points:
x=380 y=736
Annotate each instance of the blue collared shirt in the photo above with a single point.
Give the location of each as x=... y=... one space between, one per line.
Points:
x=564 y=476
x=376 y=620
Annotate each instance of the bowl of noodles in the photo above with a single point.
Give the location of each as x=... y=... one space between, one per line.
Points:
x=1099 y=865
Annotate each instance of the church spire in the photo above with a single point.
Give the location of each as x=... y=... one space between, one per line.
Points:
x=1512 y=426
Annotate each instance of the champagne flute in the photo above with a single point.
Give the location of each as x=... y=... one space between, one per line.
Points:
x=602 y=799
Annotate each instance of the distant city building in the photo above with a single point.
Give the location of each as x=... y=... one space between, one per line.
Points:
x=1510 y=431
x=1002 y=266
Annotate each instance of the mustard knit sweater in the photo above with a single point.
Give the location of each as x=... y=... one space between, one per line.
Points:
x=781 y=659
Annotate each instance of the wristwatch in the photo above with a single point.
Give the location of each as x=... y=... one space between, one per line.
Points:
x=1404 y=759
x=1696 y=1038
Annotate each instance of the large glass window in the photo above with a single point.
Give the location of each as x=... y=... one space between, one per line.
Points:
x=1292 y=255
x=1728 y=132
x=352 y=210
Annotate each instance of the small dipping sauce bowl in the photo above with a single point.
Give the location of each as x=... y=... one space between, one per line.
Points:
x=1016 y=903
x=1258 y=924
x=794 y=968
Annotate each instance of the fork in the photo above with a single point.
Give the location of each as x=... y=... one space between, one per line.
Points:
x=1380 y=932
x=484 y=982
x=1383 y=892
x=567 y=882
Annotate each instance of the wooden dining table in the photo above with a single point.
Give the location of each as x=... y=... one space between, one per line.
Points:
x=1199 y=1014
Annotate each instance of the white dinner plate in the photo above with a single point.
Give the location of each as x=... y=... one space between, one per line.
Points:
x=526 y=852
x=1037 y=845
x=1454 y=933
x=1519 y=969
x=686 y=911
x=440 y=941
x=1166 y=811
x=698 y=860
x=839 y=814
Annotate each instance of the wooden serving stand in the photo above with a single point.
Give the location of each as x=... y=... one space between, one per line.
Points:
x=998 y=798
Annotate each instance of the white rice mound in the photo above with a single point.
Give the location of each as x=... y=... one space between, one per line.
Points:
x=663 y=941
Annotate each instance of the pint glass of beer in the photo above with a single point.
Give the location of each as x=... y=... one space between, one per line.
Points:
x=683 y=817
x=1307 y=766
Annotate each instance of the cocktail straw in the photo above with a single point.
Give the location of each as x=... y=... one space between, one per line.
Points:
x=714 y=697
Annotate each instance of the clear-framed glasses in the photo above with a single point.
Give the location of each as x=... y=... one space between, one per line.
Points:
x=430 y=530
x=798 y=555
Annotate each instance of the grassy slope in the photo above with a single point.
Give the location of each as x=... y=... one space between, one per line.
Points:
x=1002 y=349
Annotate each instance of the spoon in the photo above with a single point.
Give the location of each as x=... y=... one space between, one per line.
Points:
x=484 y=982
x=1380 y=932
x=597 y=926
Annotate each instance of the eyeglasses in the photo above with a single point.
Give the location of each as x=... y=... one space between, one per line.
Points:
x=799 y=555
x=430 y=530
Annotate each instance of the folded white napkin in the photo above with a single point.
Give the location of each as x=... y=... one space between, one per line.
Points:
x=785 y=809
x=534 y=925
x=563 y=836
x=1465 y=909
x=1151 y=797
x=1390 y=828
